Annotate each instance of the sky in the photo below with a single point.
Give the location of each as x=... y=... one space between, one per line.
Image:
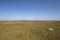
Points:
x=29 y=9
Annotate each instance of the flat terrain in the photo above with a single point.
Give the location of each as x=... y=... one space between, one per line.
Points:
x=33 y=30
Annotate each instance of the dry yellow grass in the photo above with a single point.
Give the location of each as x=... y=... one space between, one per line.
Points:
x=29 y=30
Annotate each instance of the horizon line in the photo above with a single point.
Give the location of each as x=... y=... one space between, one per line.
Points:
x=29 y=20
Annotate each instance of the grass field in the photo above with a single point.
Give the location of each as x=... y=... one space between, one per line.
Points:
x=29 y=30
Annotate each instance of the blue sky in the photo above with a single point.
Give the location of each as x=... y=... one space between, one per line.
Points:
x=29 y=9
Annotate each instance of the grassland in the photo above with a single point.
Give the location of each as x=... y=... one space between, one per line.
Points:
x=29 y=30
